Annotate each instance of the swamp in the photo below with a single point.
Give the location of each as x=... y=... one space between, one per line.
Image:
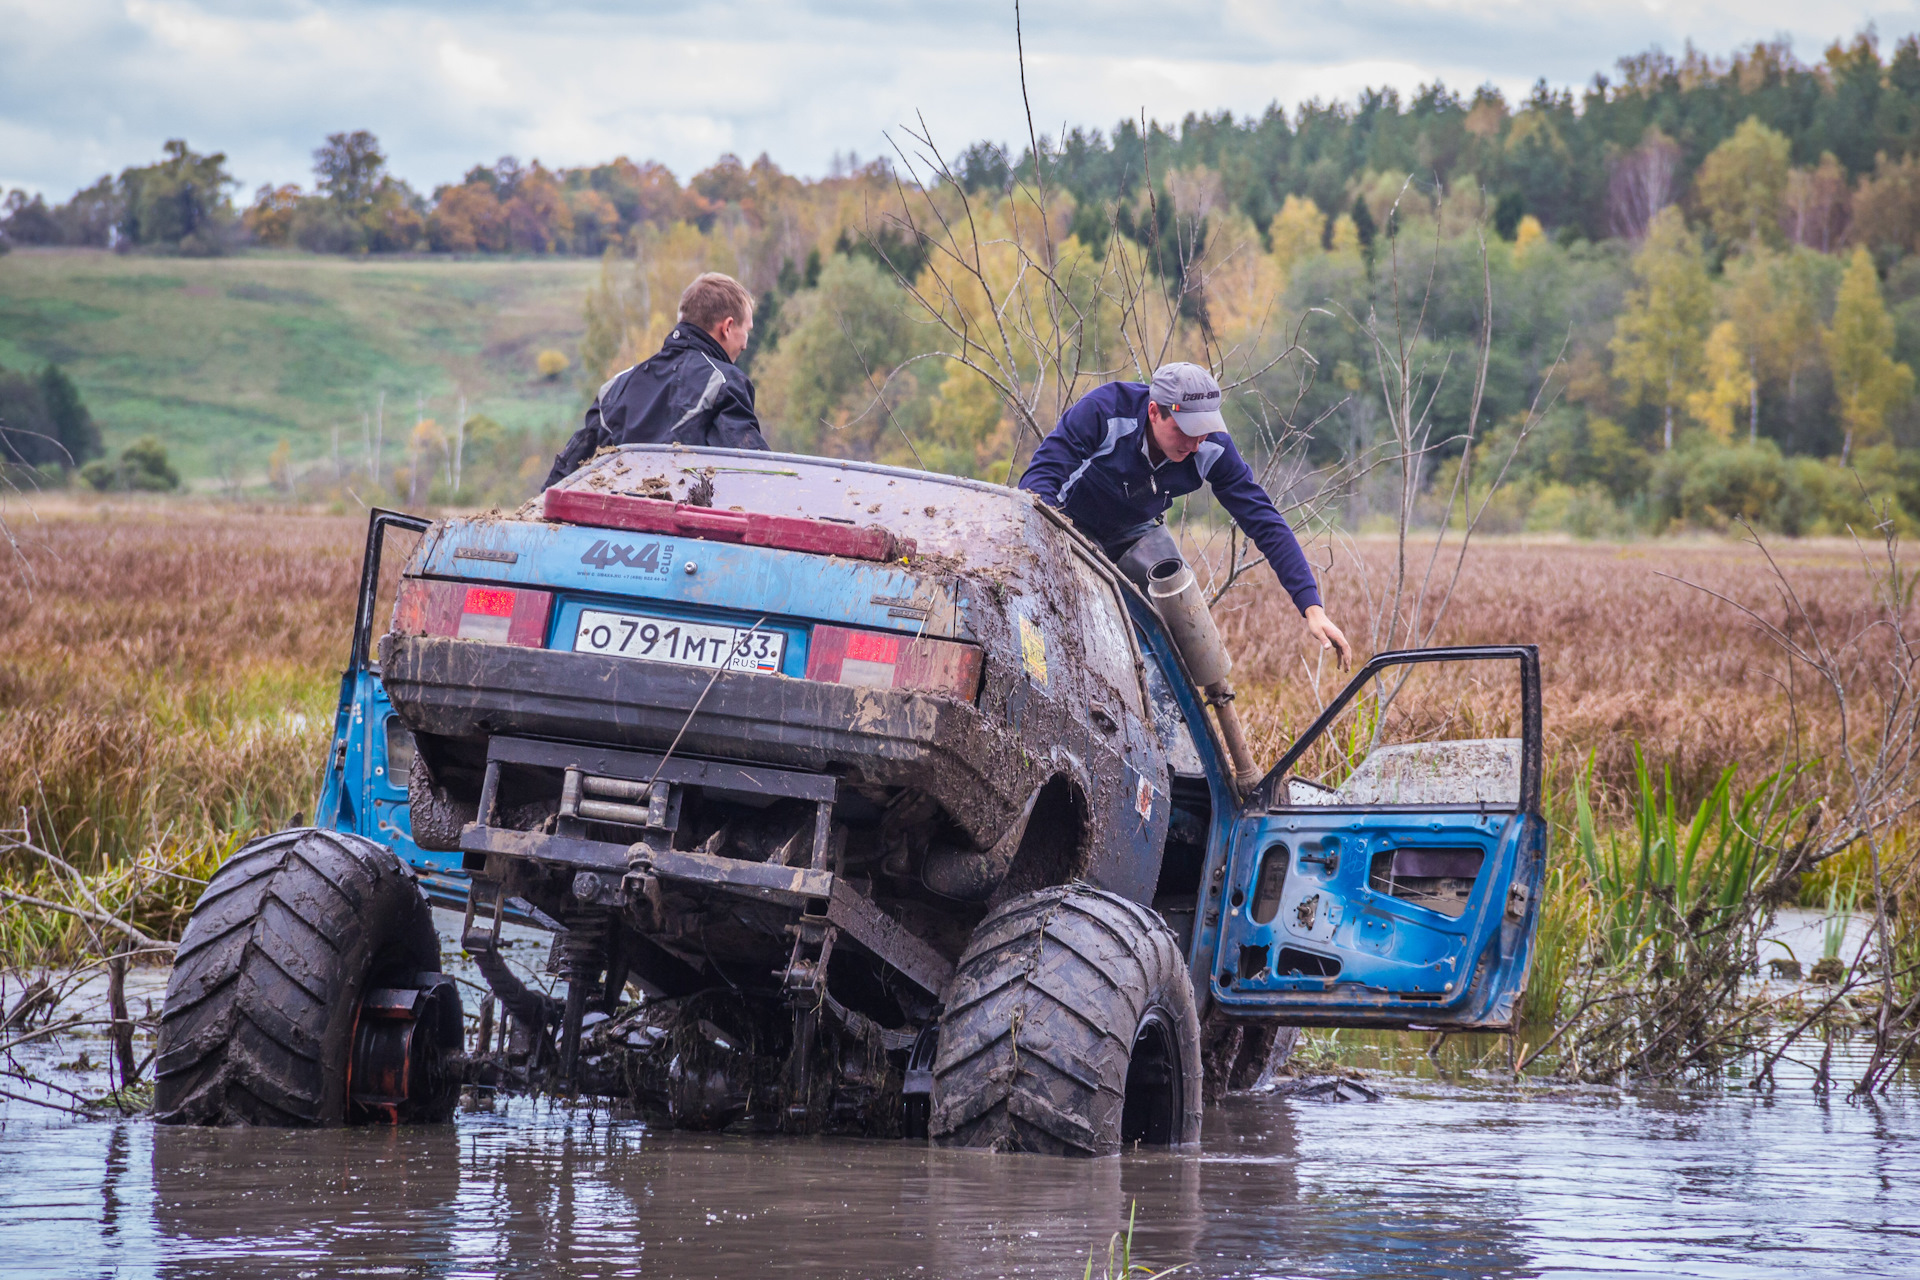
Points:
x=1712 y=1072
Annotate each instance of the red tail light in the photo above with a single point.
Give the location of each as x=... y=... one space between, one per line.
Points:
x=500 y=615
x=878 y=660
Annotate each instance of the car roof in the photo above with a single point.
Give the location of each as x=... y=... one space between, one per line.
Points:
x=975 y=523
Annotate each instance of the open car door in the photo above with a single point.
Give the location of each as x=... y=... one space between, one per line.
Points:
x=1387 y=872
x=364 y=789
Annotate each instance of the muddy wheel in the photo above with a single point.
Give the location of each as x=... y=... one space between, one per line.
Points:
x=294 y=934
x=1070 y=1029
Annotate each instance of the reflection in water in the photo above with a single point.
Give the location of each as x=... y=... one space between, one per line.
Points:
x=1436 y=1181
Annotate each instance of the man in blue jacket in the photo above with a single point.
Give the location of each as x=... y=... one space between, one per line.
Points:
x=1119 y=457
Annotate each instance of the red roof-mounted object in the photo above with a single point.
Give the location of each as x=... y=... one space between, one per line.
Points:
x=792 y=533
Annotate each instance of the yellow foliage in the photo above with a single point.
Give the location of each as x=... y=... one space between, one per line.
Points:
x=1243 y=282
x=1346 y=235
x=1295 y=233
x=1729 y=382
x=1659 y=337
x=1859 y=347
x=635 y=303
x=1742 y=183
x=551 y=364
x=1525 y=236
x=967 y=426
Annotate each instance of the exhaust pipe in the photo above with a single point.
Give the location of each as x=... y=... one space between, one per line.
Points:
x=1155 y=564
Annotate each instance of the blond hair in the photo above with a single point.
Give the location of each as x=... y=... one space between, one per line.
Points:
x=712 y=297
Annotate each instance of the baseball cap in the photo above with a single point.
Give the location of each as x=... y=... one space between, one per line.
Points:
x=1193 y=396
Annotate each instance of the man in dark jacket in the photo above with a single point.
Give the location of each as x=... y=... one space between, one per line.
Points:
x=692 y=392
x=1119 y=457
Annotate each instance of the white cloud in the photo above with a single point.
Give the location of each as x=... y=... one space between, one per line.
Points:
x=88 y=86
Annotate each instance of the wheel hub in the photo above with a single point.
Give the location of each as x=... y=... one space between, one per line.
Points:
x=398 y=1069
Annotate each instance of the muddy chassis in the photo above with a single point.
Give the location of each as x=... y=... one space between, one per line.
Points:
x=642 y=910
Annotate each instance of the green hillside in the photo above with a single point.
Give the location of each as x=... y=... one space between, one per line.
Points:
x=224 y=358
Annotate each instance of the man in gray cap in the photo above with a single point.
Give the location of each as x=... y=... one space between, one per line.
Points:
x=1119 y=457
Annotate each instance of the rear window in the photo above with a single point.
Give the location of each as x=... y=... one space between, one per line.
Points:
x=970 y=521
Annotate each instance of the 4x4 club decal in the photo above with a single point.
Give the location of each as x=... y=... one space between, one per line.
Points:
x=647 y=557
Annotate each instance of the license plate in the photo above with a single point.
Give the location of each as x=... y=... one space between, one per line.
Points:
x=686 y=644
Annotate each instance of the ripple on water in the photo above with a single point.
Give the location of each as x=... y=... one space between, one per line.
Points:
x=1436 y=1180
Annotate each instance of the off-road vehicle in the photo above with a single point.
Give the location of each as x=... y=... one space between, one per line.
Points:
x=855 y=798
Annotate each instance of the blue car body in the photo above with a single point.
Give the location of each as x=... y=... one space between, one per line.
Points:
x=1147 y=780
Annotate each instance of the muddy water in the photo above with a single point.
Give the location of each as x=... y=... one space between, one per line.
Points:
x=1437 y=1180
x=1453 y=1176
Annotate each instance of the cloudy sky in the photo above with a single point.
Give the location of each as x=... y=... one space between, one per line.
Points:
x=89 y=86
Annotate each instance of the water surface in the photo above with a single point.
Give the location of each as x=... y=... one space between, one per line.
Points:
x=1437 y=1180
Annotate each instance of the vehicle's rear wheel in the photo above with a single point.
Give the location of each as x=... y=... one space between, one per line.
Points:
x=1070 y=1029
x=310 y=957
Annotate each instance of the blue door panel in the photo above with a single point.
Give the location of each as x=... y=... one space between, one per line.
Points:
x=1354 y=944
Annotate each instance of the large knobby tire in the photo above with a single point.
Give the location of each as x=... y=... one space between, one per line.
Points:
x=261 y=1007
x=1070 y=1029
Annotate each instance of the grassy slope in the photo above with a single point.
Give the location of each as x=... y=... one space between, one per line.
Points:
x=223 y=358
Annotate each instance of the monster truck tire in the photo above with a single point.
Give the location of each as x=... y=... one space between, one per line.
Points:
x=261 y=1007
x=1070 y=1029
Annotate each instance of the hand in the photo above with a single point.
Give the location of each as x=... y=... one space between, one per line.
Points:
x=1329 y=636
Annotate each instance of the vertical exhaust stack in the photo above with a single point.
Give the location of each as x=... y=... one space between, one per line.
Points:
x=1176 y=594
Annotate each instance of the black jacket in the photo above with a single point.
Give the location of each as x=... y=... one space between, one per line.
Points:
x=690 y=393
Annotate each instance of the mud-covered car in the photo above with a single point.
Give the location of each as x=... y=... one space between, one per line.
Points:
x=856 y=798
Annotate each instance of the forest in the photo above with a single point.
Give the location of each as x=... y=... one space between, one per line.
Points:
x=1705 y=300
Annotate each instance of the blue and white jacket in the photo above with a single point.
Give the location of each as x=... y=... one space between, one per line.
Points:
x=1095 y=467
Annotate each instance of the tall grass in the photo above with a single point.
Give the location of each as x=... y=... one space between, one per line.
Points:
x=167 y=681
x=1664 y=880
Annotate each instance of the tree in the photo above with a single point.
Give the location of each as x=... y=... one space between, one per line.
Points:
x=1818 y=206
x=1659 y=338
x=467 y=219
x=180 y=203
x=73 y=426
x=1768 y=322
x=1743 y=182
x=1642 y=184
x=1886 y=208
x=141 y=467
x=1859 y=344
x=27 y=434
x=1295 y=233
x=269 y=220
x=1728 y=384
x=27 y=221
x=349 y=169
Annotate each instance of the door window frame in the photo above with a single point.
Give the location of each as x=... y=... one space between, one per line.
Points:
x=1270 y=794
x=378 y=522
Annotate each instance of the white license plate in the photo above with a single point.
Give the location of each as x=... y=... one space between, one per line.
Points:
x=687 y=644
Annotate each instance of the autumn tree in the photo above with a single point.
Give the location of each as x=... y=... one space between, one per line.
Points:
x=1742 y=183
x=1728 y=382
x=269 y=220
x=1769 y=318
x=1818 y=206
x=1859 y=344
x=1295 y=233
x=1660 y=336
x=1642 y=183
x=1886 y=208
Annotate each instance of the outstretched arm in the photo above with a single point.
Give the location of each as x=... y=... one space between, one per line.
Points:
x=1252 y=509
